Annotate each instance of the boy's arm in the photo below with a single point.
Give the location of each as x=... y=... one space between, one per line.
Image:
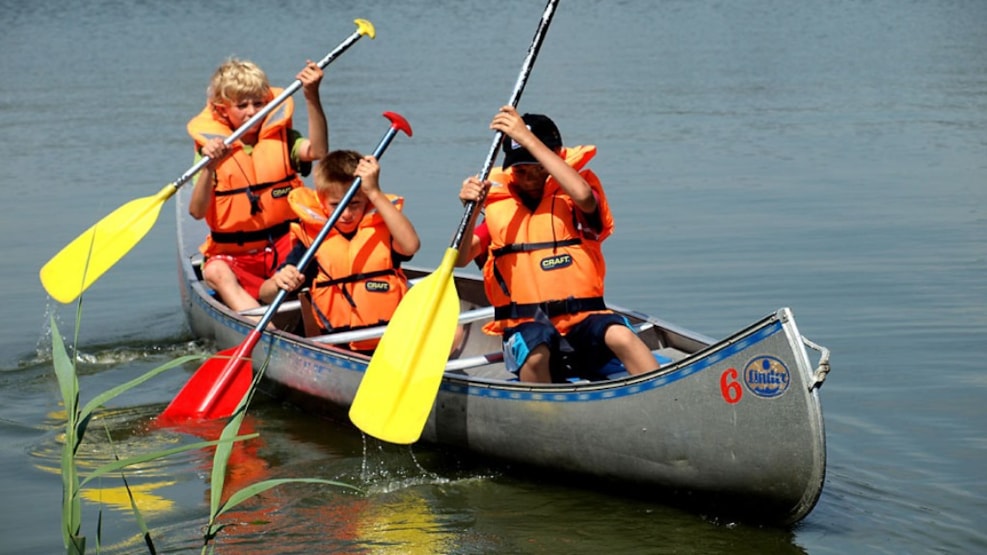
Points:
x=198 y=203
x=317 y=144
x=403 y=235
x=288 y=277
x=473 y=190
x=404 y=238
x=510 y=123
x=205 y=181
x=569 y=179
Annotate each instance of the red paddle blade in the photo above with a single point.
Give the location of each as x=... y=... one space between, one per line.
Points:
x=196 y=400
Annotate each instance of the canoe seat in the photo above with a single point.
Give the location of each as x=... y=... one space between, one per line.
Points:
x=196 y=261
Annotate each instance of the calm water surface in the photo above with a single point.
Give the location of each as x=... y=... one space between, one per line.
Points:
x=827 y=156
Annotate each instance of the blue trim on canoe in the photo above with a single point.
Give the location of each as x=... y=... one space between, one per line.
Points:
x=508 y=393
x=621 y=391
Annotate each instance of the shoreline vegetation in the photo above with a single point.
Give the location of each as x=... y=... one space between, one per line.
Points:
x=77 y=421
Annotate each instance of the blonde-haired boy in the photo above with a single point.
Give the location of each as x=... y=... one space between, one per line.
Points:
x=243 y=192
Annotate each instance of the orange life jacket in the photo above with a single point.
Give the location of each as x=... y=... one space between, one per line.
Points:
x=358 y=283
x=544 y=260
x=250 y=203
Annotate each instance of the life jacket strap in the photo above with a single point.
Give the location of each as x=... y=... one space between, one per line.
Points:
x=328 y=328
x=357 y=277
x=271 y=234
x=528 y=247
x=560 y=307
x=353 y=278
x=257 y=187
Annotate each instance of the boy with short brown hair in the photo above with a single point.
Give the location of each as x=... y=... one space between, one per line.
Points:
x=355 y=276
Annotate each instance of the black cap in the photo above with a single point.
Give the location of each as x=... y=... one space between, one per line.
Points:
x=543 y=128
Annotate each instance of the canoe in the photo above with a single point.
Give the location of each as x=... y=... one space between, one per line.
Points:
x=733 y=426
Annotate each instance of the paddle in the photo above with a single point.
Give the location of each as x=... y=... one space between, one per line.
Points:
x=218 y=386
x=80 y=263
x=402 y=379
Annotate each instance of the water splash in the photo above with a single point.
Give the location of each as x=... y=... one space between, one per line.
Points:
x=386 y=469
x=110 y=354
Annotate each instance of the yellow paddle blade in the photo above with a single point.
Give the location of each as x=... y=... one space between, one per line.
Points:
x=90 y=255
x=397 y=392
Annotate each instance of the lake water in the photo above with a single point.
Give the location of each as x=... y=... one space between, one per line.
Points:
x=827 y=156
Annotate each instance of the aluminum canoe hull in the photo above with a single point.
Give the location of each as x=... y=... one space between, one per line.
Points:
x=735 y=422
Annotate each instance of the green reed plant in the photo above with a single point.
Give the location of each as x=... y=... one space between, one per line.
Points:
x=218 y=477
x=78 y=419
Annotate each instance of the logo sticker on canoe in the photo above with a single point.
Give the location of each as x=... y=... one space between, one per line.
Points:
x=556 y=262
x=767 y=376
x=378 y=286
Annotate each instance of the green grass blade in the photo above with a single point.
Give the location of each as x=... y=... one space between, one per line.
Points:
x=260 y=487
x=102 y=398
x=119 y=465
x=68 y=383
x=220 y=459
x=138 y=516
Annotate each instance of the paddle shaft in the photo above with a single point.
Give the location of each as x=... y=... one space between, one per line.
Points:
x=402 y=380
x=80 y=263
x=272 y=105
x=522 y=80
x=243 y=352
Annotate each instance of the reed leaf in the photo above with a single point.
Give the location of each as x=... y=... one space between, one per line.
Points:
x=220 y=460
x=222 y=455
x=133 y=504
x=109 y=394
x=253 y=489
x=77 y=422
x=119 y=465
x=68 y=383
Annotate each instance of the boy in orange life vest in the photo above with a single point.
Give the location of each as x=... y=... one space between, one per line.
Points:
x=243 y=192
x=355 y=277
x=539 y=246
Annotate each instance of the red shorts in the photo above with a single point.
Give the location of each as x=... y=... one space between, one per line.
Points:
x=252 y=269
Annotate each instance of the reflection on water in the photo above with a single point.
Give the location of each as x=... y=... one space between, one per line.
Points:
x=395 y=512
x=122 y=498
x=416 y=499
x=325 y=519
x=114 y=435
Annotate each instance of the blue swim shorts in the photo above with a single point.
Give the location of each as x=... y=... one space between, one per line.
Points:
x=582 y=352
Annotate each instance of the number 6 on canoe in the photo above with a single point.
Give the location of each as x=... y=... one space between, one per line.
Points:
x=218 y=386
x=80 y=263
x=398 y=390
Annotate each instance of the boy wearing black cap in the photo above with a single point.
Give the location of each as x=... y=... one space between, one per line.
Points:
x=545 y=217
